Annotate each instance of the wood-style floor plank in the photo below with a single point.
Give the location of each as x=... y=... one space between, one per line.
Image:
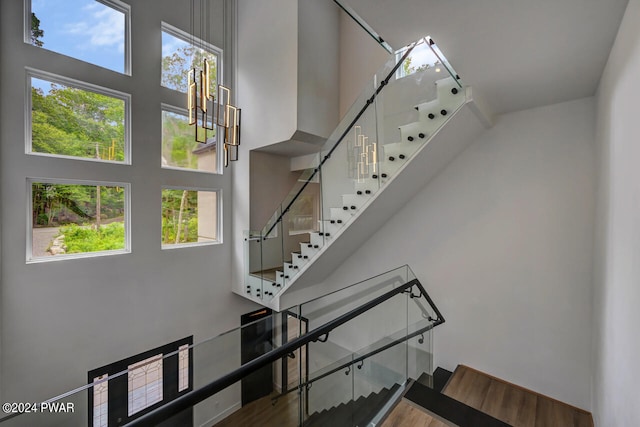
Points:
x=262 y=413
x=470 y=389
x=526 y=403
x=510 y=403
x=404 y=415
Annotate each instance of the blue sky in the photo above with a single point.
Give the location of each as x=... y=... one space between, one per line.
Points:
x=90 y=31
x=83 y=29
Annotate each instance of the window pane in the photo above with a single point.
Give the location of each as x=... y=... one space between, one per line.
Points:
x=183 y=367
x=144 y=384
x=74 y=218
x=83 y=29
x=180 y=148
x=189 y=216
x=420 y=59
x=100 y=401
x=179 y=56
x=303 y=214
x=69 y=121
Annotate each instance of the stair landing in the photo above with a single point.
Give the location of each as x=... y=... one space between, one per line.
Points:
x=510 y=403
x=406 y=414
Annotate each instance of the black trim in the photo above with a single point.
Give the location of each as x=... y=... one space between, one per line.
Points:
x=450 y=409
x=440 y=378
x=194 y=397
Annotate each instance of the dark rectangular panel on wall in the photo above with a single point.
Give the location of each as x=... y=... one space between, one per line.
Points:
x=256 y=339
x=119 y=396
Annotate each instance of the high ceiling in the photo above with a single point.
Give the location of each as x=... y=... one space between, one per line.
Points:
x=517 y=54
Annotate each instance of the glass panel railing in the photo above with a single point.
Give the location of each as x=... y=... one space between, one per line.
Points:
x=275 y=253
x=272 y=369
x=332 y=389
x=376 y=379
x=399 y=111
x=377 y=352
x=363 y=24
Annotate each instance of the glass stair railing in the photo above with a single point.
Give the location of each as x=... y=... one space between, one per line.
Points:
x=411 y=97
x=352 y=349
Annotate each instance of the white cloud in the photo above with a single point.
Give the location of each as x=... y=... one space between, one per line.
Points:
x=170 y=44
x=102 y=27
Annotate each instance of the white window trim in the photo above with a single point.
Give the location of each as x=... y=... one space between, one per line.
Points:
x=192 y=39
x=127 y=220
x=54 y=78
x=219 y=210
x=117 y=5
x=219 y=164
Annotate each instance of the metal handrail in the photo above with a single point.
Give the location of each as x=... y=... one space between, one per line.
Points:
x=319 y=334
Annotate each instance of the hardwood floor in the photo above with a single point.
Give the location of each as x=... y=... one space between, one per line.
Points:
x=405 y=415
x=262 y=413
x=510 y=403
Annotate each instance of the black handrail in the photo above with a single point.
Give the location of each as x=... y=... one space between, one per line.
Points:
x=364 y=26
x=196 y=396
x=383 y=83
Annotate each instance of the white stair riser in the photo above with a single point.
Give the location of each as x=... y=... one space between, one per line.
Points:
x=341 y=214
x=332 y=228
x=300 y=260
x=317 y=239
x=367 y=184
x=310 y=252
x=357 y=200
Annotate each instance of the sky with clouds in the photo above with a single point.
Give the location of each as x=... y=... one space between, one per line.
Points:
x=83 y=29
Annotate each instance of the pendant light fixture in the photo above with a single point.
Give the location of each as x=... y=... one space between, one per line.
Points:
x=207 y=111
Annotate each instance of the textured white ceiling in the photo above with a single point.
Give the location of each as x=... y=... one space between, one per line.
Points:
x=518 y=54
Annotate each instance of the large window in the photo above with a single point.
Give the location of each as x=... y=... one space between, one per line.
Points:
x=180 y=150
x=92 y=31
x=68 y=219
x=182 y=52
x=74 y=119
x=189 y=216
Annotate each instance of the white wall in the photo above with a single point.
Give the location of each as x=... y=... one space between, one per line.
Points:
x=288 y=53
x=267 y=77
x=360 y=58
x=502 y=240
x=318 y=66
x=616 y=401
x=62 y=319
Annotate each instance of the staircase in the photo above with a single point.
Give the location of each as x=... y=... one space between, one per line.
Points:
x=378 y=158
x=357 y=412
x=475 y=399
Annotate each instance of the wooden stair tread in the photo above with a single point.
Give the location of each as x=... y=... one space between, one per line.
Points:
x=510 y=403
x=406 y=414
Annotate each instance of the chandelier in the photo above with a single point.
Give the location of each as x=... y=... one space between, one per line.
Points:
x=365 y=154
x=212 y=111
